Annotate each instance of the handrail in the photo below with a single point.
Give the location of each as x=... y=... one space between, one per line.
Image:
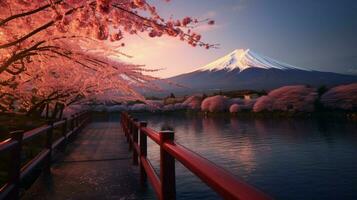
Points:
x=14 y=146
x=220 y=180
x=152 y=134
x=7 y=145
x=35 y=132
x=154 y=179
x=59 y=123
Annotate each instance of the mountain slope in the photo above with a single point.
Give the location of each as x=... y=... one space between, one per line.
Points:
x=242 y=59
x=244 y=69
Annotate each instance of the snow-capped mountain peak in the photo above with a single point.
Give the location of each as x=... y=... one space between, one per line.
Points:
x=243 y=59
x=243 y=69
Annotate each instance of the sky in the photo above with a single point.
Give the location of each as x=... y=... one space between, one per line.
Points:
x=315 y=34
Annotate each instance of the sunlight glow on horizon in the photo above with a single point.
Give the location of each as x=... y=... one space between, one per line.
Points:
x=170 y=55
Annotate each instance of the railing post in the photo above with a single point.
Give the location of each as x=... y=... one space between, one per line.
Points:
x=143 y=153
x=72 y=123
x=64 y=128
x=127 y=128
x=15 y=160
x=73 y=117
x=49 y=135
x=82 y=119
x=167 y=168
x=47 y=110
x=76 y=120
x=64 y=134
x=121 y=119
x=124 y=124
x=130 y=129
x=90 y=117
x=135 y=142
x=79 y=121
x=87 y=117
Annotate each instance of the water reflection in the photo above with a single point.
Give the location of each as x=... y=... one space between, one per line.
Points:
x=287 y=158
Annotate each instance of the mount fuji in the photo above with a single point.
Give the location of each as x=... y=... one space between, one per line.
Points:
x=245 y=69
x=242 y=59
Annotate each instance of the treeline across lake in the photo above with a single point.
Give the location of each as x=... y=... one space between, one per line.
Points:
x=295 y=99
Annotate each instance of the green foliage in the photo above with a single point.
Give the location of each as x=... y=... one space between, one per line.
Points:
x=135 y=102
x=153 y=98
x=318 y=105
x=321 y=90
x=172 y=95
x=240 y=93
x=170 y=100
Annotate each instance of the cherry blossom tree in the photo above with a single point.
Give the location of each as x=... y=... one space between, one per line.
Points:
x=294 y=98
x=98 y=81
x=234 y=108
x=341 y=97
x=31 y=28
x=193 y=102
x=63 y=50
x=216 y=103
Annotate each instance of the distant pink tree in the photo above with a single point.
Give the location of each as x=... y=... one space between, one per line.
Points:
x=264 y=103
x=244 y=104
x=216 y=103
x=288 y=98
x=234 y=108
x=193 y=102
x=341 y=97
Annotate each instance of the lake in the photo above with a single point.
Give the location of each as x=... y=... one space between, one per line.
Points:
x=295 y=159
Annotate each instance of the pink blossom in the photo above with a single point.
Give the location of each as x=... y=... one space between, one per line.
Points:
x=186 y=21
x=215 y=104
x=288 y=98
x=341 y=97
x=193 y=102
x=234 y=108
x=63 y=48
x=264 y=103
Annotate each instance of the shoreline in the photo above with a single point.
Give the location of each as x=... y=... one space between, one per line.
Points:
x=340 y=115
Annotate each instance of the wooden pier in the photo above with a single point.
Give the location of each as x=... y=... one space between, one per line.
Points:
x=90 y=160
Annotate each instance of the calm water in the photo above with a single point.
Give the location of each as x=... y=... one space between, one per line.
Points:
x=286 y=158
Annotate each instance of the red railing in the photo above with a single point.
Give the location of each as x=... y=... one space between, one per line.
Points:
x=17 y=171
x=220 y=180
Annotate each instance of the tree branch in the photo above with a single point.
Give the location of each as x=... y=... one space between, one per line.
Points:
x=27 y=13
x=39 y=29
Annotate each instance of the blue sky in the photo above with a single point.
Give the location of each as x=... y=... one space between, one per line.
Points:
x=317 y=34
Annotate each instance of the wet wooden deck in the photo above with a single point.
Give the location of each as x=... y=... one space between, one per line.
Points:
x=96 y=165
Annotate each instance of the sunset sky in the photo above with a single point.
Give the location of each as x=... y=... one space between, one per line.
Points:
x=318 y=34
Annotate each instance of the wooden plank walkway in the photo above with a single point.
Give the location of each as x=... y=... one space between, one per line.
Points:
x=97 y=165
